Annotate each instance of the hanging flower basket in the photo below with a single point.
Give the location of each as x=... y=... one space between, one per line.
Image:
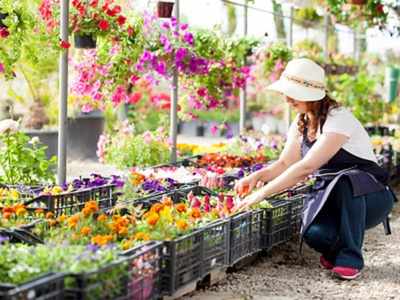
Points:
x=84 y=41
x=164 y=9
x=2 y=17
x=357 y=2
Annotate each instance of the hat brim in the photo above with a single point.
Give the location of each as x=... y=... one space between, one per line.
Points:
x=297 y=91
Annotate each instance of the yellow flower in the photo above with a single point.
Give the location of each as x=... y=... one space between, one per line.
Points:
x=136 y=178
x=165 y=213
x=14 y=194
x=141 y=236
x=56 y=190
x=20 y=211
x=61 y=218
x=126 y=245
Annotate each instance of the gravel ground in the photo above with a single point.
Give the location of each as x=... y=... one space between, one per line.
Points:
x=283 y=274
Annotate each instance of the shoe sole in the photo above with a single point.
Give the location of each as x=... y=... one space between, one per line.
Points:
x=346 y=277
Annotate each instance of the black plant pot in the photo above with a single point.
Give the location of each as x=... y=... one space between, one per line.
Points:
x=48 y=138
x=84 y=41
x=164 y=9
x=2 y=17
x=83 y=133
x=200 y=130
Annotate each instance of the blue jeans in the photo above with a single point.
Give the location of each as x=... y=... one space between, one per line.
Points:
x=338 y=230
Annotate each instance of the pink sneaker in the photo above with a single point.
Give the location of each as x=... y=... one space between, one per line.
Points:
x=324 y=263
x=346 y=272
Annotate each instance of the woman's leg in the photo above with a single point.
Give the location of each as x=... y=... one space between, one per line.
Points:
x=356 y=214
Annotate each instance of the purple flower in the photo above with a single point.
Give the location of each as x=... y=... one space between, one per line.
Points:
x=152 y=186
x=214 y=129
x=4 y=239
x=117 y=181
x=181 y=54
x=174 y=22
x=92 y=248
x=166 y=25
x=146 y=56
x=256 y=167
x=161 y=68
x=240 y=173
x=188 y=38
x=184 y=26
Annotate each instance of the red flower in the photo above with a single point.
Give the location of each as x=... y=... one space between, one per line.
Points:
x=76 y=3
x=116 y=10
x=4 y=32
x=135 y=98
x=94 y=3
x=65 y=44
x=379 y=8
x=121 y=20
x=104 y=25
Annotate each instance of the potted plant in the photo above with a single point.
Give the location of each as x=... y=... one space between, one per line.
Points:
x=164 y=9
x=88 y=20
x=17 y=24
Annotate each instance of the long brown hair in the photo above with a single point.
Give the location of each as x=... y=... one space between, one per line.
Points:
x=319 y=109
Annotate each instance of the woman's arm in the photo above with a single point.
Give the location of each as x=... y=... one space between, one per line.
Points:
x=327 y=145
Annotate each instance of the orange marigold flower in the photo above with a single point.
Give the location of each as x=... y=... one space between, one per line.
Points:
x=122 y=231
x=157 y=207
x=167 y=201
x=86 y=212
x=7 y=215
x=92 y=206
x=195 y=213
x=73 y=221
x=102 y=218
x=86 y=230
x=9 y=210
x=152 y=219
x=182 y=225
x=49 y=215
x=142 y=236
x=181 y=207
x=101 y=240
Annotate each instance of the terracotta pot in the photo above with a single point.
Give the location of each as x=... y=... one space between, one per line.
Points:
x=164 y=9
x=84 y=41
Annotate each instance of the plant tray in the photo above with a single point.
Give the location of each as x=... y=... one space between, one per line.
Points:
x=245 y=234
x=135 y=276
x=47 y=287
x=216 y=246
x=181 y=262
x=73 y=202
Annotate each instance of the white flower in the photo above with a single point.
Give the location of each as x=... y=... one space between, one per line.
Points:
x=266 y=129
x=35 y=140
x=8 y=125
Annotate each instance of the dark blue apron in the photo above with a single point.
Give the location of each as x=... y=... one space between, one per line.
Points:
x=365 y=177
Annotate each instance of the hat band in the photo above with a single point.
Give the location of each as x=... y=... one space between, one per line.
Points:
x=305 y=82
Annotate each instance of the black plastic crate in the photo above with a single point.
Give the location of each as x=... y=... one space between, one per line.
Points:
x=135 y=276
x=181 y=261
x=297 y=205
x=47 y=287
x=216 y=246
x=278 y=227
x=73 y=202
x=245 y=234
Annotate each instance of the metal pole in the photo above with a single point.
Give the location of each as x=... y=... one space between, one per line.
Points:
x=174 y=103
x=290 y=45
x=355 y=45
x=326 y=36
x=62 y=116
x=243 y=92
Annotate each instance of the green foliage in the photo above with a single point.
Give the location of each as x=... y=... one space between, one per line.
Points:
x=21 y=263
x=126 y=149
x=240 y=48
x=358 y=94
x=278 y=51
x=23 y=161
x=307 y=17
x=219 y=115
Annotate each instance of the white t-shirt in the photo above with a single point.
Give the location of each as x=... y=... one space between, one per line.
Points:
x=342 y=121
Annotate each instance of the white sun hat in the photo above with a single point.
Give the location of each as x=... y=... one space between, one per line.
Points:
x=302 y=80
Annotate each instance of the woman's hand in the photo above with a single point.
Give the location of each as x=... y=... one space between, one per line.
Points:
x=245 y=185
x=249 y=201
